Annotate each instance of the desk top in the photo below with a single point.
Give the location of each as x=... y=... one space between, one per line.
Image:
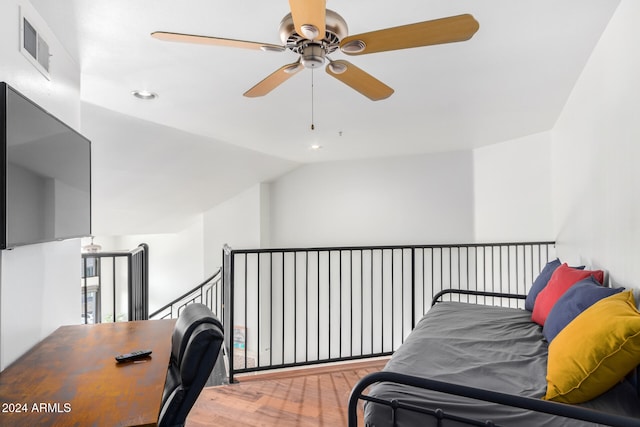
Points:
x=71 y=377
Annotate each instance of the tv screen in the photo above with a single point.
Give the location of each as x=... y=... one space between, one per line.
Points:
x=46 y=175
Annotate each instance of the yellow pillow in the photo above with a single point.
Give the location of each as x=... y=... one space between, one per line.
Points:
x=595 y=350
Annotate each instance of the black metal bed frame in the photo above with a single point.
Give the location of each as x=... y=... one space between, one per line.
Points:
x=533 y=404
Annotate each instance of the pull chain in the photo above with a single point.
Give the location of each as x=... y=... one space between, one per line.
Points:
x=312 y=125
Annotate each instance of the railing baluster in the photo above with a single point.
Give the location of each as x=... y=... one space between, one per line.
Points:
x=318 y=305
x=371 y=294
x=393 y=291
x=340 y=303
x=361 y=301
x=295 y=307
x=283 y=309
x=352 y=298
x=306 y=310
x=382 y=322
x=258 y=330
x=246 y=317
x=329 y=299
x=271 y=308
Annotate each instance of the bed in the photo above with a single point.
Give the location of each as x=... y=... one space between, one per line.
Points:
x=468 y=363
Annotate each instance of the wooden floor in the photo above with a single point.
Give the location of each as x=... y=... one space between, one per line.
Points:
x=303 y=397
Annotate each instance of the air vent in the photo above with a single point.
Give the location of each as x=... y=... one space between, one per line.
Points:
x=34 y=47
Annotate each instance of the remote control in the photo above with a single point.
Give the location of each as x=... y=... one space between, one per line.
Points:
x=138 y=354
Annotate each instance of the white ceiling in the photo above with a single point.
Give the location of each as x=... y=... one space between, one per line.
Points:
x=510 y=80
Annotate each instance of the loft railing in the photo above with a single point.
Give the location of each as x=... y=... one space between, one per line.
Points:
x=209 y=292
x=292 y=307
x=115 y=283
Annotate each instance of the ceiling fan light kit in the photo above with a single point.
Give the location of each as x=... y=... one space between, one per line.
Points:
x=313 y=32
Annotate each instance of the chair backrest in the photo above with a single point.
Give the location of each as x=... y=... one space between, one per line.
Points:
x=195 y=344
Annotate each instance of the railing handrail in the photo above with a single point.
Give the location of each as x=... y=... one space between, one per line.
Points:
x=111 y=254
x=186 y=294
x=386 y=247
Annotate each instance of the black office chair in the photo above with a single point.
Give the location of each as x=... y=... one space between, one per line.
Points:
x=195 y=344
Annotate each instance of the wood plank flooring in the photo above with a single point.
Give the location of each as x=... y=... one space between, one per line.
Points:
x=309 y=397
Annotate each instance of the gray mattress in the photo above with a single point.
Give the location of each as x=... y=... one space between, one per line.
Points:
x=492 y=348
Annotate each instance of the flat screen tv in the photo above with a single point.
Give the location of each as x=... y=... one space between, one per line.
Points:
x=46 y=175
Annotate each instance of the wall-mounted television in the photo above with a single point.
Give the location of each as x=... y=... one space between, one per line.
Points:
x=46 y=175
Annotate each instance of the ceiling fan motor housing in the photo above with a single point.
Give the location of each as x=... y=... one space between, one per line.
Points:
x=312 y=52
x=312 y=55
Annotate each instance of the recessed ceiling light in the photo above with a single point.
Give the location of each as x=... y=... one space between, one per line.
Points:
x=144 y=94
x=315 y=147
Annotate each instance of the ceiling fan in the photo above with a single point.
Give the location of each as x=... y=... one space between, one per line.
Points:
x=313 y=32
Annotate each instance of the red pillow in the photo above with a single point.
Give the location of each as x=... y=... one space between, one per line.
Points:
x=561 y=280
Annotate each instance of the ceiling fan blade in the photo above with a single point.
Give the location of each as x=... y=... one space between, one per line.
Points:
x=309 y=13
x=274 y=80
x=215 y=41
x=359 y=80
x=438 y=31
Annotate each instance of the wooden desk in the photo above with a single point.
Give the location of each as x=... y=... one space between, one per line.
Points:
x=72 y=379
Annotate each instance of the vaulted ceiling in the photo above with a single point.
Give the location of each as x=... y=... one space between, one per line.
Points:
x=201 y=140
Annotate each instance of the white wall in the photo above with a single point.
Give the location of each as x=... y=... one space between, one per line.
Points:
x=40 y=291
x=512 y=188
x=39 y=284
x=238 y=222
x=403 y=200
x=500 y=192
x=596 y=150
x=176 y=260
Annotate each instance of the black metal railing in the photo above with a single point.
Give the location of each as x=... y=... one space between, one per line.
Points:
x=292 y=307
x=138 y=284
x=209 y=292
x=110 y=277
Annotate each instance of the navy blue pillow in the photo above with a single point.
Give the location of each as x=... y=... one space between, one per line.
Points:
x=574 y=301
x=540 y=282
